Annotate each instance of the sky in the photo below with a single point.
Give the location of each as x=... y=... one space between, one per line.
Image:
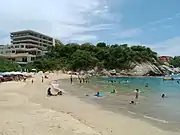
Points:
x=152 y=23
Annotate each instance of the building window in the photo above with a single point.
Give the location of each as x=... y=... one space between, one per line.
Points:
x=13 y=51
x=22 y=46
x=24 y=59
x=16 y=46
x=32 y=58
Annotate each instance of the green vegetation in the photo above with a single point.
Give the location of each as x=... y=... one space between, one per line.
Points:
x=6 y=65
x=175 y=61
x=87 y=56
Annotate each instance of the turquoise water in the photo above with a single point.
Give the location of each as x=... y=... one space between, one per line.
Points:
x=150 y=104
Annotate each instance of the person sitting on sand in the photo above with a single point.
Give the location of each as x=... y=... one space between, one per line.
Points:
x=50 y=94
x=59 y=93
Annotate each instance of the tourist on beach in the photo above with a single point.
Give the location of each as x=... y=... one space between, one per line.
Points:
x=83 y=79
x=137 y=93
x=32 y=81
x=42 y=79
x=59 y=93
x=86 y=80
x=80 y=81
x=24 y=79
x=50 y=94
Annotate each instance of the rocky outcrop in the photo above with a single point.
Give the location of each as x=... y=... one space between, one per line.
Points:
x=137 y=69
x=143 y=69
x=150 y=69
x=104 y=72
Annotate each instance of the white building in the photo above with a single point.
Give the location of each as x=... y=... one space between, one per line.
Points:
x=26 y=46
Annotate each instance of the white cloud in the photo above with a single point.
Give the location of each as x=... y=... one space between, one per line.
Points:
x=129 y=33
x=83 y=38
x=169 y=47
x=59 y=18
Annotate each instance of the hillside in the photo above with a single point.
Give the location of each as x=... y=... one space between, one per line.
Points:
x=77 y=57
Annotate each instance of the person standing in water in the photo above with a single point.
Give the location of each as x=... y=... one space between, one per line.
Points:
x=71 y=80
x=137 y=94
x=113 y=91
x=163 y=95
x=146 y=85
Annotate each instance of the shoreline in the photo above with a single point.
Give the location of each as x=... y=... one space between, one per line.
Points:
x=74 y=115
x=122 y=109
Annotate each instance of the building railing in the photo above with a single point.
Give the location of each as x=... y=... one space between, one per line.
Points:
x=27 y=36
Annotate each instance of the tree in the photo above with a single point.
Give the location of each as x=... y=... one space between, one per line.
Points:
x=73 y=56
x=101 y=44
x=175 y=61
x=6 y=65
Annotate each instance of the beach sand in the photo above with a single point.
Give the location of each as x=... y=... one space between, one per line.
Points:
x=25 y=110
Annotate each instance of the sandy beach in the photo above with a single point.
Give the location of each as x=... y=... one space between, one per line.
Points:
x=26 y=110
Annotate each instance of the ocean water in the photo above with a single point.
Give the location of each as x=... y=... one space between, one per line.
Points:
x=164 y=113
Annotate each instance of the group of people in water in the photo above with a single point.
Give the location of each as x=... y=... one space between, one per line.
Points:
x=81 y=79
x=163 y=95
x=98 y=94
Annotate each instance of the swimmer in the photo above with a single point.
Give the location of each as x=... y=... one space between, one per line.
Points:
x=178 y=82
x=132 y=102
x=163 y=95
x=97 y=94
x=114 y=91
x=146 y=85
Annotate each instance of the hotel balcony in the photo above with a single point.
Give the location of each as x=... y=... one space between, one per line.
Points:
x=33 y=37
